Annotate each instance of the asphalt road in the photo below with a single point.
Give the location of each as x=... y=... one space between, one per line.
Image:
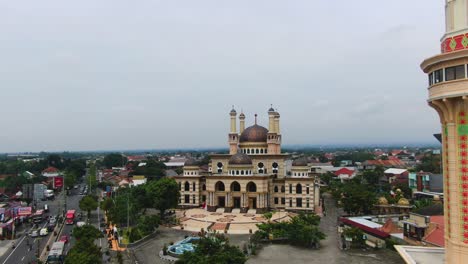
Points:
x=27 y=248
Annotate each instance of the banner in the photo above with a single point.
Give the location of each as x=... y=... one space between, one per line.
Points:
x=23 y=211
x=58 y=182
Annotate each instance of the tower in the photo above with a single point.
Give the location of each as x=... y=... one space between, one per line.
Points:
x=233 y=136
x=241 y=122
x=272 y=138
x=448 y=94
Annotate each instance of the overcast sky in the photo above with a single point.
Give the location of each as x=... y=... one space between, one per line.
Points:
x=104 y=75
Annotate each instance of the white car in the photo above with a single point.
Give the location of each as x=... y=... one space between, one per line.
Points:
x=43 y=232
x=34 y=233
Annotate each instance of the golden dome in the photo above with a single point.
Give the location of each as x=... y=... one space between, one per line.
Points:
x=383 y=201
x=403 y=201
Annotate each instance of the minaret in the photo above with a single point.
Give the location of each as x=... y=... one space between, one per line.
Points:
x=271 y=120
x=448 y=94
x=278 y=132
x=272 y=137
x=241 y=122
x=233 y=136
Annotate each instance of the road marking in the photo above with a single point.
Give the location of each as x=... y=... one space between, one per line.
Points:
x=13 y=251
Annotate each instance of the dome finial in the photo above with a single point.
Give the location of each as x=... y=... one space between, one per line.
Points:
x=271 y=108
x=255 y=118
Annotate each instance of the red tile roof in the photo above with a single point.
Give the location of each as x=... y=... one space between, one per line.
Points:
x=369 y=230
x=50 y=169
x=436 y=237
x=344 y=171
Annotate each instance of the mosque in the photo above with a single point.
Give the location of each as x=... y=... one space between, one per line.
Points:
x=254 y=175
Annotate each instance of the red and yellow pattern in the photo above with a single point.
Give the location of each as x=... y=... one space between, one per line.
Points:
x=454 y=43
x=463 y=158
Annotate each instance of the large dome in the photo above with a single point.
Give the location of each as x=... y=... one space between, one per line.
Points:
x=191 y=162
x=240 y=159
x=300 y=162
x=254 y=133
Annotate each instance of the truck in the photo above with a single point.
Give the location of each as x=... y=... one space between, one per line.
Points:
x=38 y=216
x=70 y=217
x=49 y=194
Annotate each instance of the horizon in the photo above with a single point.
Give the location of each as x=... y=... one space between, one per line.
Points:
x=151 y=74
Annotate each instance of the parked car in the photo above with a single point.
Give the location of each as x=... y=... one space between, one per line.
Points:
x=43 y=232
x=46 y=208
x=64 y=239
x=76 y=187
x=34 y=233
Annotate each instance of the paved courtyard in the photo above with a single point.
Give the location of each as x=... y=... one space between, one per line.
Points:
x=234 y=223
x=329 y=252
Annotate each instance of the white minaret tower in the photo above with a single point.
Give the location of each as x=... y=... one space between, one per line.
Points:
x=233 y=135
x=448 y=94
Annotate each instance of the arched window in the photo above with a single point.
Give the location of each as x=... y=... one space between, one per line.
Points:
x=282 y=189
x=256 y=151
x=193 y=186
x=261 y=167
x=242 y=172
x=261 y=151
x=235 y=187
x=204 y=187
x=298 y=188
x=187 y=186
x=237 y=172
x=276 y=188
x=248 y=151
x=251 y=187
x=275 y=167
x=220 y=167
x=219 y=186
x=180 y=186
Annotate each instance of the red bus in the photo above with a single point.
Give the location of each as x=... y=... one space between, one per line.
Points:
x=70 y=217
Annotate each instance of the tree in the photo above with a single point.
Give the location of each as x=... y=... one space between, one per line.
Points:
x=214 y=248
x=356 y=235
x=114 y=160
x=88 y=203
x=70 y=179
x=164 y=193
x=86 y=232
x=148 y=223
x=357 y=198
x=85 y=251
x=107 y=204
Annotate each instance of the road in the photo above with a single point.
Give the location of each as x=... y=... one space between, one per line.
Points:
x=26 y=247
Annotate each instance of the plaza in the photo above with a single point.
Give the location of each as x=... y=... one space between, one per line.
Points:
x=195 y=220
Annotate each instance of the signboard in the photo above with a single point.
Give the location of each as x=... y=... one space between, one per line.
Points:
x=23 y=211
x=58 y=182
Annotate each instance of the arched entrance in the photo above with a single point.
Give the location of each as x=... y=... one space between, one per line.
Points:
x=219 y=187
x=252 y=188
x=236 y=197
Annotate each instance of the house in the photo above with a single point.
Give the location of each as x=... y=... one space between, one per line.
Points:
x=390 y=163
x=51 y=172
x=375 y=237
x=345 y=174
x=425 y=226
x=395 y=176
x=138 y=180
x=28 y=174
x=136 y=158
x=175 y=162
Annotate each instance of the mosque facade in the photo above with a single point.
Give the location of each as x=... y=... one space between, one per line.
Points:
x=254 y=175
